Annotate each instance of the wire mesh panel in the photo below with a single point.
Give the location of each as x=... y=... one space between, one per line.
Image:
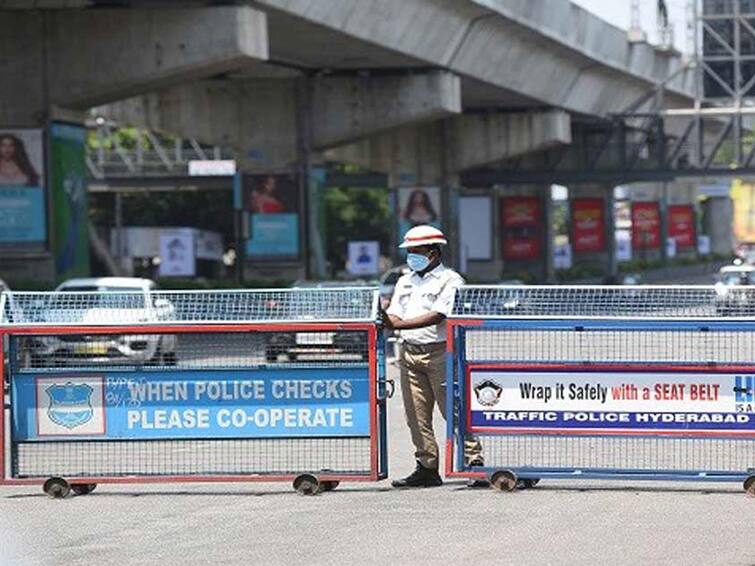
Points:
x=169 y=307
x=655 y=381
x=709 y=302
x=278 y=400
x=346 y=456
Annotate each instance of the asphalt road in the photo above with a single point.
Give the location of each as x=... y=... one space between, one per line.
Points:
x=559 y=522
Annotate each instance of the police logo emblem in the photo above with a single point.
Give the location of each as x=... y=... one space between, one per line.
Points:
x=488 y=393
x=70 y=404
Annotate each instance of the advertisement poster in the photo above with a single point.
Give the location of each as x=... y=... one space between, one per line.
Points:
x=418 y=205
x=363 y=258
x=562 y=256
x=193 y=404
x=588 y=225
x=70 y=212
x=623 y=245
x=476 y=227
x=521 y=228
x=273 y=205
x=681 y=225
x=646 y=226
x=23 y=210
x=177 y=253
x=643 y=401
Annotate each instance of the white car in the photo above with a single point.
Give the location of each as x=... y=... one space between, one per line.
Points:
x=93 y=301
x=734 y=297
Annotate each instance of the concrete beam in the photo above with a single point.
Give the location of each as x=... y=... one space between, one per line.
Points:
x=99 y=56
x=353 y=107
x=551 y=53
x=421 y=153
x=257 y=117
x=77 y=59
x=480 y=139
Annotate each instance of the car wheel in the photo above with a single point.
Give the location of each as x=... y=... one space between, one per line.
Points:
x=170 y=359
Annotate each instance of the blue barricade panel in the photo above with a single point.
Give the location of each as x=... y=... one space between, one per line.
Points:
x=641 y=382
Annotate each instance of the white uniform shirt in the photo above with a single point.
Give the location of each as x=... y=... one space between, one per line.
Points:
x=415 y=295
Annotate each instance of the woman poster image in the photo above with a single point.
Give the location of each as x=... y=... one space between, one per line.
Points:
x=419 y=208
x=265 y=198
x=16 y=168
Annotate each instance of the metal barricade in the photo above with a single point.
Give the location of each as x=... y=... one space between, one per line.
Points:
x=642 y=382
x=136 y=387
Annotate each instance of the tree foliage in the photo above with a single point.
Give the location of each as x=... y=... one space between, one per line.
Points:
x=356 y=214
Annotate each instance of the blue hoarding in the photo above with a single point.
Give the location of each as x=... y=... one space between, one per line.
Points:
x=22 y=215
x=274 y=235
x=265 y=403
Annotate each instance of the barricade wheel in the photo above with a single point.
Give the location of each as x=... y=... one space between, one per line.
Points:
x=57 y=488
x=529 y=483
x=83 y=488
x=749 y=486
x=306 y=484
x=504 y=480
x=329 y=485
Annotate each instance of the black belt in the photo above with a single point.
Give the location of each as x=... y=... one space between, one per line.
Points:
x=424 y=348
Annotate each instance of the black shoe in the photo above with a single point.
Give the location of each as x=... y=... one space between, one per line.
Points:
x=420 y=477
x=477 y=482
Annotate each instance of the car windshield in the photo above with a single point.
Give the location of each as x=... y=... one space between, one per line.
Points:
x=100 y=297
x=735 y=278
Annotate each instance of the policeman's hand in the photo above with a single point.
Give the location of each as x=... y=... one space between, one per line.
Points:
x=385 y=320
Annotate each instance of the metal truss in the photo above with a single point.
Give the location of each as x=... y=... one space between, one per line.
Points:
x=114 y=152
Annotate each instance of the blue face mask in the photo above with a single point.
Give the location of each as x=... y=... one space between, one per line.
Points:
x=417 y=262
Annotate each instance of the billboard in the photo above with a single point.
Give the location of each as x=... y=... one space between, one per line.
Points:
x=68 y=184
x=521 y=221
x=23 y=201
x=178 y=253
x=646 y=226
x=363 y=258
x=262 y=403
x=633 y=400
x=588 y=225
x=272 y=202
x=681 y=225
x=476 y=227
x=418 y=205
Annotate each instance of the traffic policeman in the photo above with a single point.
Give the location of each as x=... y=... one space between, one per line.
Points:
x=421 y=301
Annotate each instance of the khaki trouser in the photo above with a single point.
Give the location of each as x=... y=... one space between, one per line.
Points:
x=423 y=384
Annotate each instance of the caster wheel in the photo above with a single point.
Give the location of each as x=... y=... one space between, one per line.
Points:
x=329 y=485
x=503 y=481
x=57 y=488
x=749 y=486
x=306 y=484
x=83 y=488
x=530 y=483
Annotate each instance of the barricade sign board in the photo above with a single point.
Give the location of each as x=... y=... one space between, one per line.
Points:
x=609 y=401
x=602 y=382
x=259 y=403
x=242 y=385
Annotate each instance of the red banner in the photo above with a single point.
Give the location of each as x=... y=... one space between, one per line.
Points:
x=521 y=227
x=588 y=225
x=681 y=225
x=646 y=226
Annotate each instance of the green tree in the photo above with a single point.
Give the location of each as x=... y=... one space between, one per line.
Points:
x=356 y=214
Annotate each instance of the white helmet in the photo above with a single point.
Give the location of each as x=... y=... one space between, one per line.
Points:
x=423 y=236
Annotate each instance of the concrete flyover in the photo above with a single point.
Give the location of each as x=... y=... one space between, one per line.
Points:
x=420 y=90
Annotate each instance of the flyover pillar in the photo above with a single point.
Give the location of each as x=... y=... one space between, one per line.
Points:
x=719 y=219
